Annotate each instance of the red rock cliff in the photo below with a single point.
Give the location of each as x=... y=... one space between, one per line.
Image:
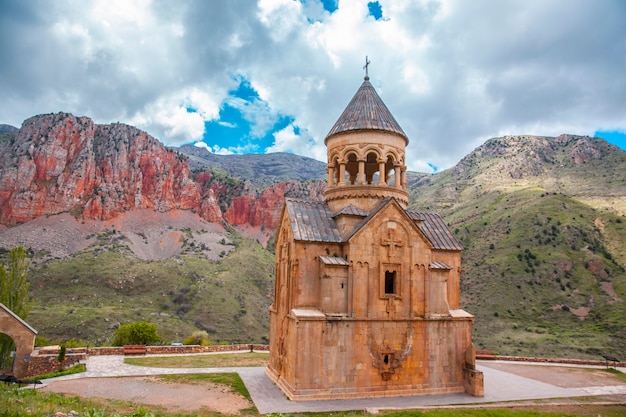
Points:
x=59 y=162
x=264 y=208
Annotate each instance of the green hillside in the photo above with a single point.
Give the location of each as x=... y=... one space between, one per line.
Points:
x=544 y=238
x=87 y=296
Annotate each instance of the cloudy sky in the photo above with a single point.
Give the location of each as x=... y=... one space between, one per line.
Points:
x=246 y=76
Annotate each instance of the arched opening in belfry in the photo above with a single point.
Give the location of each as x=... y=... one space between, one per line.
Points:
x=352 y=168
x=371 y=168
x=390 y=174
x=336 y=172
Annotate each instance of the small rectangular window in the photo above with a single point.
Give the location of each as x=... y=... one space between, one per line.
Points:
x=390 y=282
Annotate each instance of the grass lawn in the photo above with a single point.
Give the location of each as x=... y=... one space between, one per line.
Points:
x=220 y=360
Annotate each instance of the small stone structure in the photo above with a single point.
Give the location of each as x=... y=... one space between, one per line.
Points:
x=367 y=293
x=23 y=336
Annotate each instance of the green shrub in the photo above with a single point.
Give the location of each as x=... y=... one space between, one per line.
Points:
x=136 y=333
x=199 y=337
x=61 y=356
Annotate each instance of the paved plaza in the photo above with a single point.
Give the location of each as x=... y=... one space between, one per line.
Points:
x=500 y=386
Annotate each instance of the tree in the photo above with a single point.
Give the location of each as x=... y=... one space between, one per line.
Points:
x=199 y=337
x=14 y=295
x=13 y=284
x=61 y=356
x=136 y=333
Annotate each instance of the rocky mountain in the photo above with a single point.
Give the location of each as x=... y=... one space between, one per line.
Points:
x=61 y=163
x=121 y=228
x=7 y=129
x=262 y=170
x=589 y=169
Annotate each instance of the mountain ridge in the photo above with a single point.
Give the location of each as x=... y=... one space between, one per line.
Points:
x=542 y=220
x=262 y=170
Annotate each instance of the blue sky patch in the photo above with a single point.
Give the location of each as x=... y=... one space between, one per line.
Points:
x=329 y=5
x=616 y=138
x=246 y=124
x=375 y=10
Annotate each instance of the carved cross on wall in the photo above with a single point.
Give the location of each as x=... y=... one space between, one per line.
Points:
x=392 y=243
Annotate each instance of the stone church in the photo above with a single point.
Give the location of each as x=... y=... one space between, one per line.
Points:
x=367 y=296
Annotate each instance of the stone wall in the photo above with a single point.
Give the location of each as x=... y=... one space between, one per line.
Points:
x=40 y=364
x=44 y=360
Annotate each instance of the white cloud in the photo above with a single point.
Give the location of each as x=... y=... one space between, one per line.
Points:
x=178 y=118
x=227 y=124
x=281 y=17
x=221 y=151
x=287 y=140
x=452 y=72
x=202 y=145
x=257 y=112
x=234 y=150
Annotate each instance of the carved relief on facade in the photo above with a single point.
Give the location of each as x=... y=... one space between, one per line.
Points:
x=389 y=358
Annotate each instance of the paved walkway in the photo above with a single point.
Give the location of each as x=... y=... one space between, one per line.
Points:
x=268 y=398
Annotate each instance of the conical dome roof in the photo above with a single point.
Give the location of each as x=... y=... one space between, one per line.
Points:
x=366 y=111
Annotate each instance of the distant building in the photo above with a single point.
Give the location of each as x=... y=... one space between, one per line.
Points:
x=367 y=296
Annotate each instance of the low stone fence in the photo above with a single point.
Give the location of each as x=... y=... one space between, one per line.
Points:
x=45 y=360
x=39 y=364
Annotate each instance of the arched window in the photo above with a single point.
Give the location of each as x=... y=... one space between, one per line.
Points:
x=390 y=282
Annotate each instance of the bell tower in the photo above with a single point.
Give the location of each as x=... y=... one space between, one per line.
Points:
x=365 y=151
x=367 y=293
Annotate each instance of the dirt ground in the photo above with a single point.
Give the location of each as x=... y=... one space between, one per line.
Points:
x=174 y=397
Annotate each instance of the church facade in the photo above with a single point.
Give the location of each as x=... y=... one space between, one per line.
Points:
x=367 y=293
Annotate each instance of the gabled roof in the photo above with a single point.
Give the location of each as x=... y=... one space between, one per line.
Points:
x=311 y=221
x=430 y=224
x=350 y=210
x=435 y=230
x=366 y=111
x=17 y=318
x=368 y=218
